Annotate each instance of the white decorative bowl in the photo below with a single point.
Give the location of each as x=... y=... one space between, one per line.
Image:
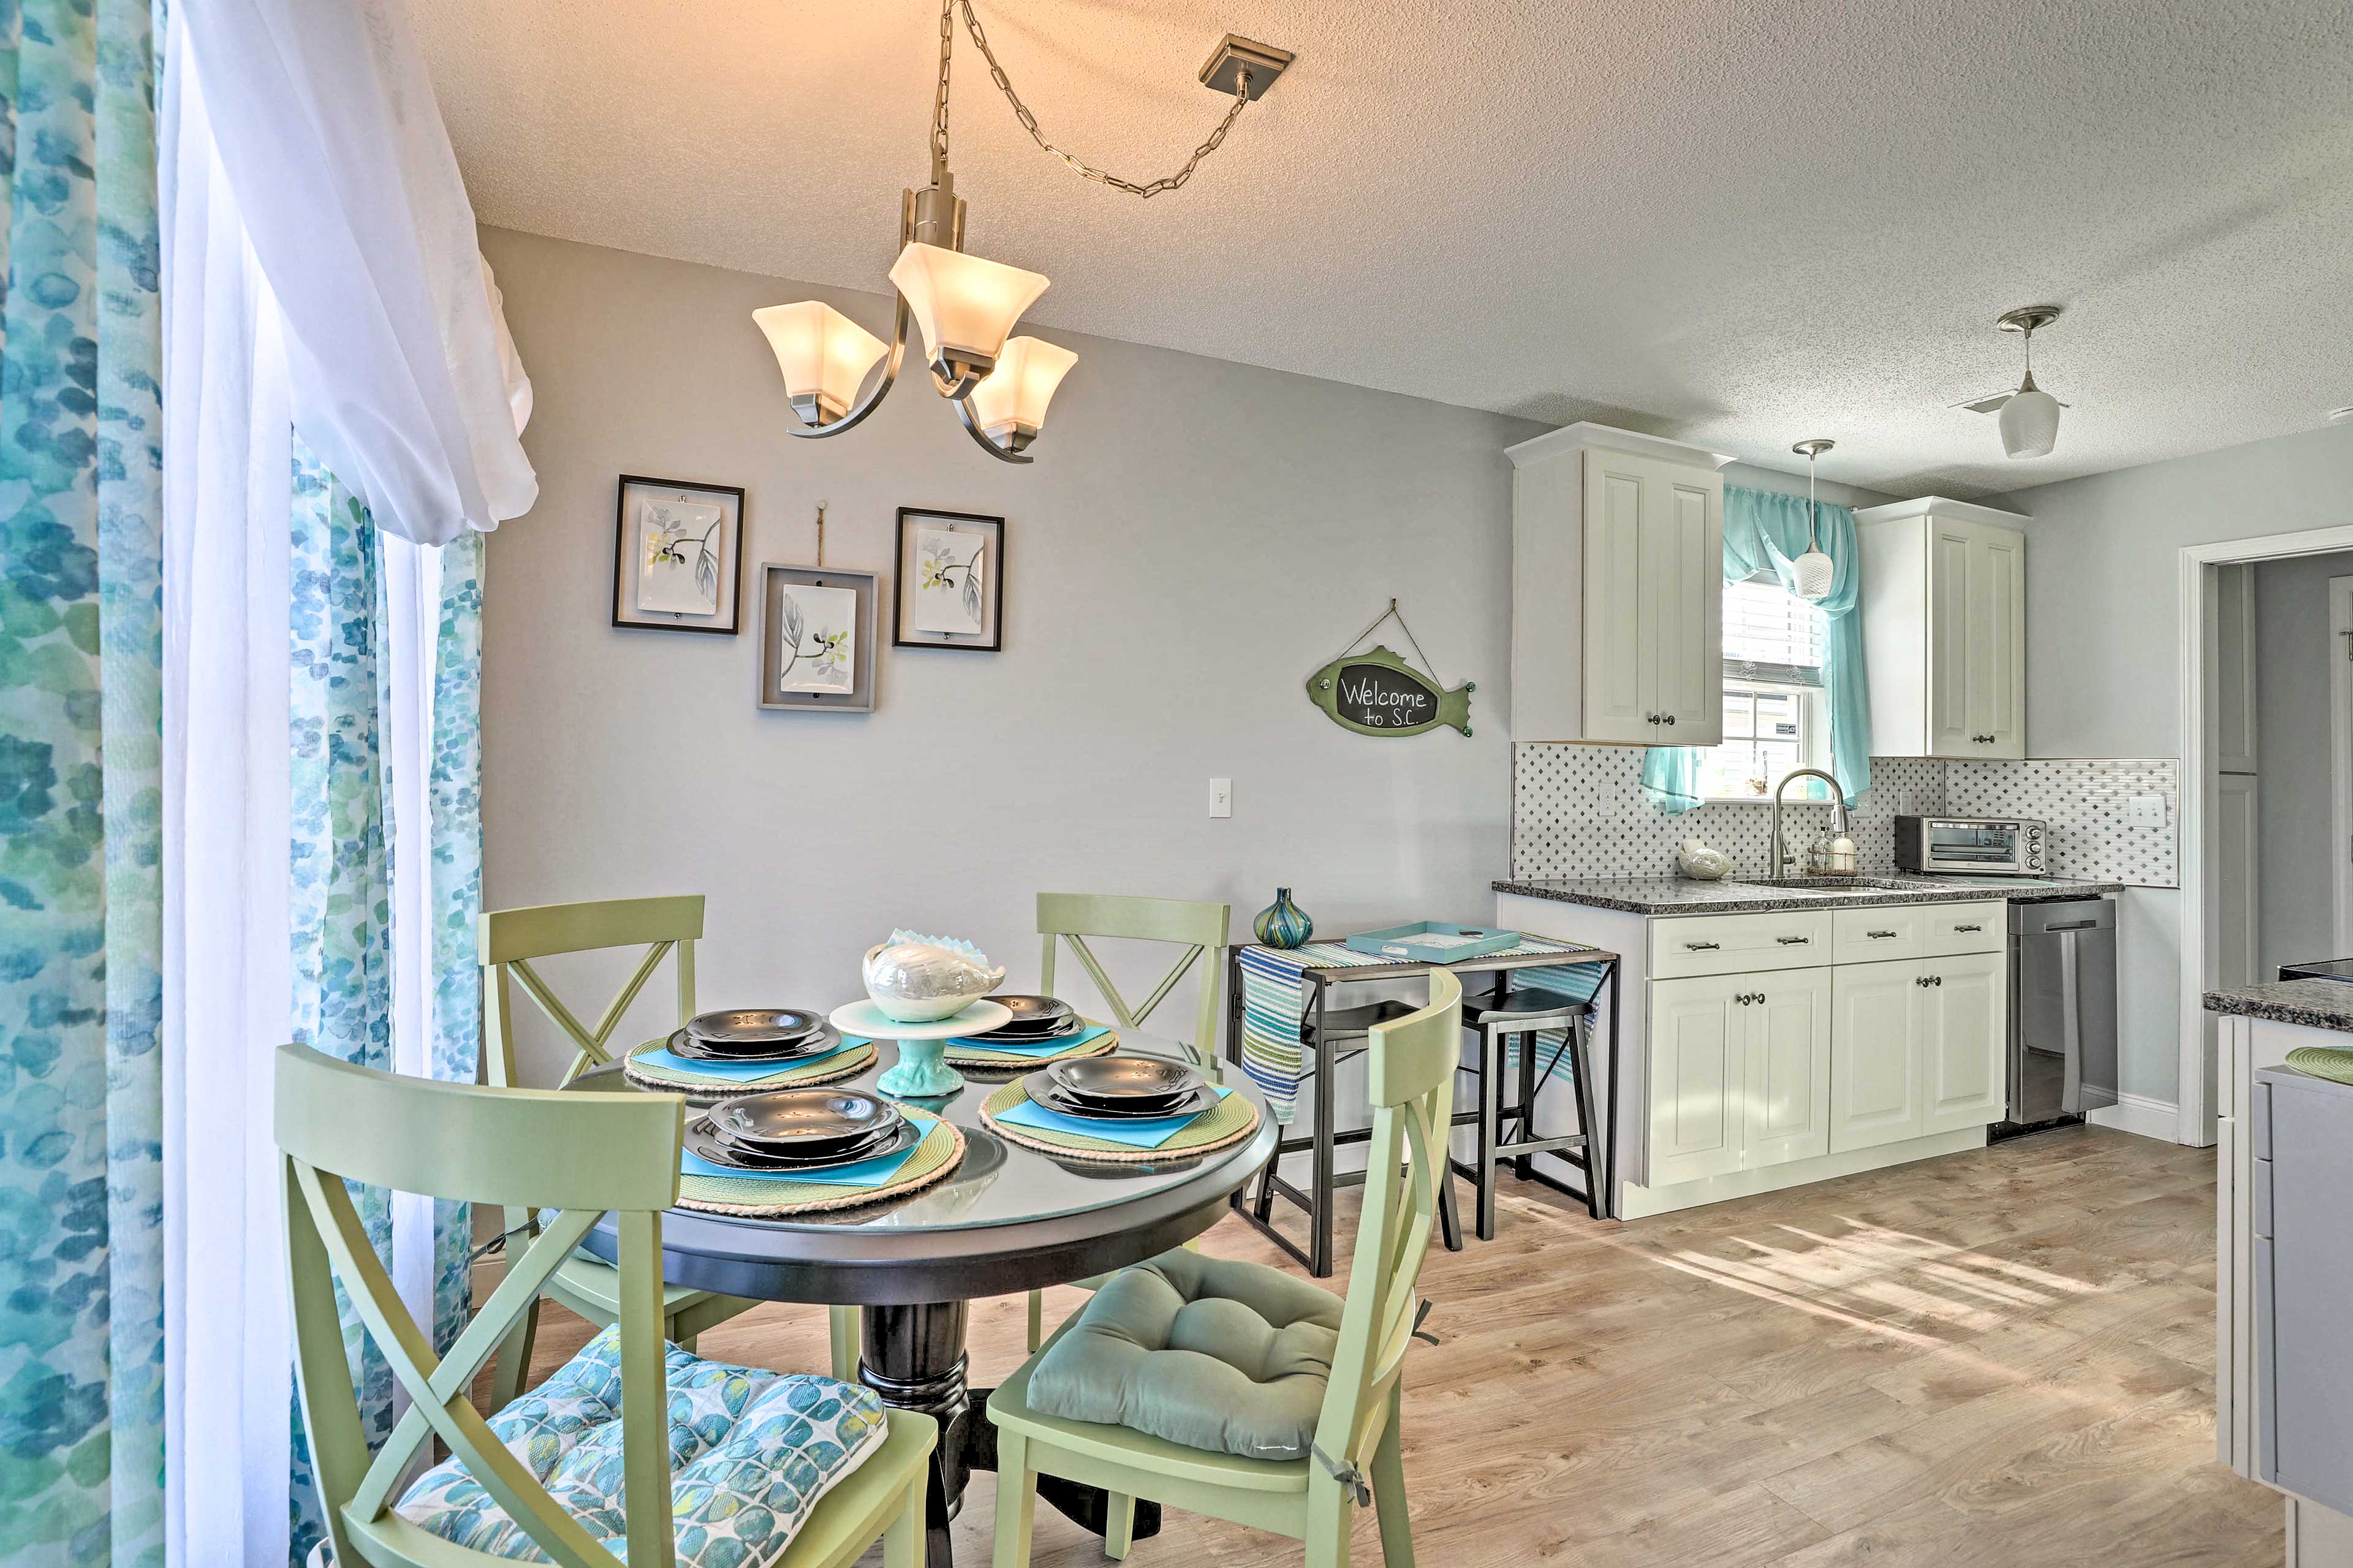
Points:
x=1701 y=864
x=917 y=979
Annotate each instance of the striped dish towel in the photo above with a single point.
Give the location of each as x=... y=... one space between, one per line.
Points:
x=1274 y=1008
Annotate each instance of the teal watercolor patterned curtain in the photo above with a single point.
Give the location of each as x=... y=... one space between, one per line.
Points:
x=343 y=870
x=81 y=1247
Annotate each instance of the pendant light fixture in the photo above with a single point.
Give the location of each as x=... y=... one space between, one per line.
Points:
x=964 y=306
x=2030 y=418
x=1814 y=571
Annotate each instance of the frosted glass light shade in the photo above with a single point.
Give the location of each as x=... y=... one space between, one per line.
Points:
x=965 y=306
x=1814 y=572
x=2030 y=423
x=825 y=356
x=1009 y=404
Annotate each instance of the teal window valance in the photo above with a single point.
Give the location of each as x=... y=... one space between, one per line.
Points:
x=1765 y=530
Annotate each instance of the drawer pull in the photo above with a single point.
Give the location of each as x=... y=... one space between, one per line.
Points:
x=1968 y=928
x=1929 y=980
x=1878 y=935
x=1793 y=941
x=1703 y=946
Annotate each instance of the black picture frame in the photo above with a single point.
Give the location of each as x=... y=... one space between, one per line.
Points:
x=991 y=638
x=731 y=500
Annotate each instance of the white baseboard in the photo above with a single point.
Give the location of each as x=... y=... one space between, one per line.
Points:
x=1638 y=1201
x=2139 y=1113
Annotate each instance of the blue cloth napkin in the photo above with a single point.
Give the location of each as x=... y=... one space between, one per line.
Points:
x=871 y=1172
x=1033 y=1048
x=740 y=1072
x=1135 y=1132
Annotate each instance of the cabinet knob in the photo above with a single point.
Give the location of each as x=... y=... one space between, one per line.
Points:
x=1653 y=718
x=1929 y=980
x=1670 y=719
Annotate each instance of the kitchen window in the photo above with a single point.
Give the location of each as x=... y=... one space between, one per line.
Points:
x=1776 y=714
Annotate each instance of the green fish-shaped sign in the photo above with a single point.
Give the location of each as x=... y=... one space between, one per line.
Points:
x=1378 y=693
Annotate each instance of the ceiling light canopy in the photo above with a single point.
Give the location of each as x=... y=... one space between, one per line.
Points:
x=964 y=306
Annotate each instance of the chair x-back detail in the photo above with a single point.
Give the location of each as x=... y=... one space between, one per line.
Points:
x=511 y=939
x=573 y=1159
x=1072 y=918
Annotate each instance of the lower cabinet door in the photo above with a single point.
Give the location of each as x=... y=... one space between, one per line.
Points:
x=1788 y=1099
x=1878 y=1012
x=1698 y=1066
x=1964 y=1067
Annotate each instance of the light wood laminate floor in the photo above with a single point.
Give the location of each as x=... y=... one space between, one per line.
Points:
x=2001 y=1357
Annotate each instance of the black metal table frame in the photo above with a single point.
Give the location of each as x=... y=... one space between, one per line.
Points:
x=1324 y=1140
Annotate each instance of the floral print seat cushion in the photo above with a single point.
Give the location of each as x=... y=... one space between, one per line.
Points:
x=751 y=1452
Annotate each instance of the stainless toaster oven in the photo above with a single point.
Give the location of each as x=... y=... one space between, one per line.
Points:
x=1972 y=846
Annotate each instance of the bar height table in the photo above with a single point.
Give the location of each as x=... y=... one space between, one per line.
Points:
x=1323 y=1026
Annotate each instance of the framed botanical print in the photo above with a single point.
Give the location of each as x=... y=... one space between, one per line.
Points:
x=817 y=638
x=677 y=555
x=951 y=581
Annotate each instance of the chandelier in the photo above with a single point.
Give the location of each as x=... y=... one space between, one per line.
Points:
x=965 y=306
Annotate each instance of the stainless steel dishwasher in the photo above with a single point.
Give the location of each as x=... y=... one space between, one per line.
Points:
x=2062 y=1011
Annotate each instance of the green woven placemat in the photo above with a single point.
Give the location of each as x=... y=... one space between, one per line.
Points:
x=1234 y=1120
x=841 y=1065
x=975 y=1056
x=940 y=1152
x=2334 y=1063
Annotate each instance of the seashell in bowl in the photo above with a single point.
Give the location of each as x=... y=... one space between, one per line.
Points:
x=918 y=979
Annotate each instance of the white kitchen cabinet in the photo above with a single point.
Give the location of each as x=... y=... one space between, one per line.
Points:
x=1739 y=1072
x=1877 y=1015
x=1944 y=618
x=1964 y=1063
x=1617 y=589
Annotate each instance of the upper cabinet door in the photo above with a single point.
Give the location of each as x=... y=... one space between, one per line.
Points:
x=1951 y=732
x=1996 y=654
x=1683 y=600
x=1617 y=695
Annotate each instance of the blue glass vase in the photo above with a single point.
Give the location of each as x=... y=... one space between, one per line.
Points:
x=1283 y=923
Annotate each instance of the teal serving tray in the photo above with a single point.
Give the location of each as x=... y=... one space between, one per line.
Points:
x=1433 y=941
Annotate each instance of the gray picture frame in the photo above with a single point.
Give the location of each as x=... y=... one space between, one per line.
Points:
x=775 y=578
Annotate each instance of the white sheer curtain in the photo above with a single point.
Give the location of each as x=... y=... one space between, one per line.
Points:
x=327 y=129
x=273 y=243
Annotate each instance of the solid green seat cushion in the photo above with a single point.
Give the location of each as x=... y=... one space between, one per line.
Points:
x=1217 y=1354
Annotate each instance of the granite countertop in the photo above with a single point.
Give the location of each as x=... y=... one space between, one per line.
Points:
x=1681 y=896
x=2315 y=1003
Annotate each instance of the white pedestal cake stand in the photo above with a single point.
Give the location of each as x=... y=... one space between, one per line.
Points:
x=921 y=1071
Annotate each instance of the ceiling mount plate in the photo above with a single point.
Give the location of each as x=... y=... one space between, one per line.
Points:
x=2028 y=318
x=1814 y=447
x=1234 y=53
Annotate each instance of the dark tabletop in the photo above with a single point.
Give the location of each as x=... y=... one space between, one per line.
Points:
x=1009 y=1218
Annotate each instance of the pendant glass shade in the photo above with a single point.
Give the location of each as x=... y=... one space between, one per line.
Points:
x=1009 y=404
x=824 y=357
x=1815 y=572
x=2030 y=423
x=965 y=306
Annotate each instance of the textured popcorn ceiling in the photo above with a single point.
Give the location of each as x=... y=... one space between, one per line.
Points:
x=1736 y=224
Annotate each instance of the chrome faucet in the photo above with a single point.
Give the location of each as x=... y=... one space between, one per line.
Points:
x=1782 y=858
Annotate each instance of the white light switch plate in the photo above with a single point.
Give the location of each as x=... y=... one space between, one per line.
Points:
x=2144 y=810
x=1221 y=797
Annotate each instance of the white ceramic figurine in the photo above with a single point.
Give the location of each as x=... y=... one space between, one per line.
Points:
x=918 y=979
x=1699 y=862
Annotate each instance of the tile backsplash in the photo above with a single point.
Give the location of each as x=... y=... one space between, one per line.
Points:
x=1580 y=811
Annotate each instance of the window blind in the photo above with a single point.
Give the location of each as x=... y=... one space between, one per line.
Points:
x=1770 y=634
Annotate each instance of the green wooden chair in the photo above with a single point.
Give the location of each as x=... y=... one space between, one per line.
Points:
x=577 y=1157
x=1354 y=1458
x=510 y=941
x=1199 y=928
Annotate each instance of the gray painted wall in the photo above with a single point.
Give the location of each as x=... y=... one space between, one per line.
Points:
x=2294 y=872
x=2103 y=649
x=1195 y=539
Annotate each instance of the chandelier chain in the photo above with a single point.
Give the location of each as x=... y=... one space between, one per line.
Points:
x=1030 y=121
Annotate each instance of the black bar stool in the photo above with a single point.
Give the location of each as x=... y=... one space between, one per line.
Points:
x=1500 y=1017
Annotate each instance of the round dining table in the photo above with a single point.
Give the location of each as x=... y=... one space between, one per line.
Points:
x=1009 y=1218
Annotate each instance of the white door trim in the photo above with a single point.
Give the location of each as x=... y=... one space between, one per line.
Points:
x=2196 y=1110
x=2340 y=754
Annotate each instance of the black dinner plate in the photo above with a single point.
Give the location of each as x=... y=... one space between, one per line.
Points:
x=1119 y=1079
x=1037 y=1034
x=802 y=1121
x=1032 y=1011
x=1045 y=1092
x=701 y=1138
x=685 y=1045
x=754 y=1025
